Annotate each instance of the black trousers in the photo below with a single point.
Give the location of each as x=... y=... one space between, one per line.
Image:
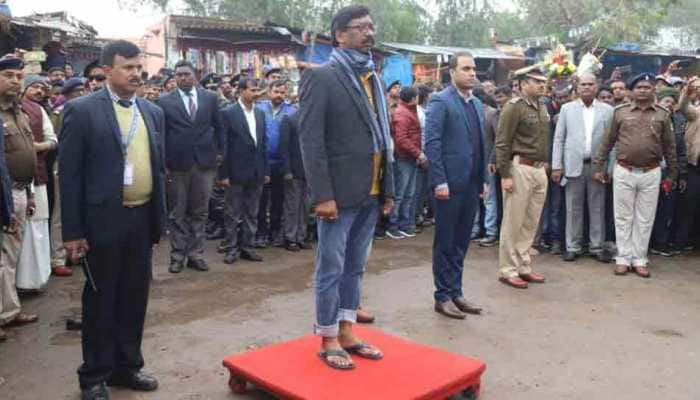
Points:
x=272 y=202
x=113 y=316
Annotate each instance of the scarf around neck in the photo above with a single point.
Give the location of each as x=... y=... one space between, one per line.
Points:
x=355 y=64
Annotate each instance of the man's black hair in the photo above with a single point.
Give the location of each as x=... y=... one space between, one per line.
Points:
x=122 y=48
x=504 y=90
x=342 y=18
x=485 y=98
x=246 y=82
x=185 y=63
x=408 y=93
x=423 y=92
x=455 y=58
x=278 y=83
x=604 y=89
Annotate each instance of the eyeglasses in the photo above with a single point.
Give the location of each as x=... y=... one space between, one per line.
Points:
x=363 y=27
x=98 y=78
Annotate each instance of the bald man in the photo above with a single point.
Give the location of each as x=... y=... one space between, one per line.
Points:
x=579 y=132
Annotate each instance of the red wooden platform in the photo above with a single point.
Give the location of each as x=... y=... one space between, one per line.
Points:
x=292 y=370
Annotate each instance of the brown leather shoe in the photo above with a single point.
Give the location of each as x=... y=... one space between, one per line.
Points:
x=364 y=317
x=642 y=271
x=515 y=282
x=620 y=270
x=3 y=335
x=465 y=306
x=22 y=319
x=449 y=310
x=533 y=278
x=61 y=270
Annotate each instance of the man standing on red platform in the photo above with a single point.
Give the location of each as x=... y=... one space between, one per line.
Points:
x=348 y=156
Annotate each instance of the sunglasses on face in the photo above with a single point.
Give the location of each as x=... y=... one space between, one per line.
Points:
x=98 y=78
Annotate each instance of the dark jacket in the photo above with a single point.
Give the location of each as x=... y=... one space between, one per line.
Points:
x=244 y=162
x=448 y=143
x=406 y=132
x=491 y=125
x=6 y=202
x=91 y=168
x=290 y=149
x=190 y=142
x=336 y=140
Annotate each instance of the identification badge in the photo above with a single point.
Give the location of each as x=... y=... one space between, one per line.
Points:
x=128 y=174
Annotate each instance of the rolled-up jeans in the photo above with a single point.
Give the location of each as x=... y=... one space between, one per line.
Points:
x=341 y=255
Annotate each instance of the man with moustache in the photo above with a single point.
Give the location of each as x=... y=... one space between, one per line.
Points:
x=348 y=156
x=642 y=133
x=580 y=129
x=113 y=207
x=454 y=145
x=21 y=163
x=522 y=144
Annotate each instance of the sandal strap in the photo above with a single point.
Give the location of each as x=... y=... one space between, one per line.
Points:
x=335 y=353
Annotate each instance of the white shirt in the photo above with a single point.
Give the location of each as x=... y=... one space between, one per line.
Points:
x=250 y=118
x=186 y=99
x=49 y=135
x=588 y=121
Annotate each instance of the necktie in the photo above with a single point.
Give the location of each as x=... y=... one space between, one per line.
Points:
x=192 y=106
x=124 y=103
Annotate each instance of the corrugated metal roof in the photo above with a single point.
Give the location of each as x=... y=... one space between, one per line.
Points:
x=449 y=50
x=183 y=21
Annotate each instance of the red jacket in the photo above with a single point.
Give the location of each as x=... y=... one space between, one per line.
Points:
x=406 y=131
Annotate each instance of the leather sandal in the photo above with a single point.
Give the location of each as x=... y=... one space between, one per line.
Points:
x=326 y=354
x=642 y=271
x=620 y=270
x=365 y=350
x=22 y=319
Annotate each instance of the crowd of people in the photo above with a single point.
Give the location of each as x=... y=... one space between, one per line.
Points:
x=572 y=166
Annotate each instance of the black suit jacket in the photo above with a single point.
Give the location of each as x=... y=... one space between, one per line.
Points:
x=6 y=202
x=290 y=149
x=189 y=142
x=91 y=168
x=244 y=162
x=336 y=140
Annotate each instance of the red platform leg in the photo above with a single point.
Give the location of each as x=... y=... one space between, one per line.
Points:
x=237 y=385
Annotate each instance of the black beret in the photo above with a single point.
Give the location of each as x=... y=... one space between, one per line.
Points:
x=645 y=76
x=52 y=69
x=392 y=84
x=210 y=79
x=71 y=84
x=10 y=62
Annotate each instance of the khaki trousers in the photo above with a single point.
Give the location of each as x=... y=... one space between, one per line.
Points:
x=522 y=209
x=635 y=196
x=11 y=247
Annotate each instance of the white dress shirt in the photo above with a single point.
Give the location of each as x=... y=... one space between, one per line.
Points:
x=588 y=121
x=250 y=118
x=186 y=99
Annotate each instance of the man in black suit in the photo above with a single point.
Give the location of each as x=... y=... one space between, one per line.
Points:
x=113 y=208
x=193 y=150
x=296 y=210
x=347 y=154
x=244 y=172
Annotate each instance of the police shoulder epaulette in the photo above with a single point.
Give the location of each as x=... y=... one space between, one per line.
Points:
x=659 y=106
x=623 y=105
x=514 y=100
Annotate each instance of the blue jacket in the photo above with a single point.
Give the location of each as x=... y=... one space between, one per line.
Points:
x=272 y=129
x=91 y=168
x=6 y=202
x=448 y=143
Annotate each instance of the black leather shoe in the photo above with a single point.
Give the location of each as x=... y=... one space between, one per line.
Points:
x=604 y=256
x=231 y=257
x=216 y=234
x=134 y=381
x=199 y=265
x=569 y=256
x=305 y=246
x=224 y=247
x=449 y=310
x=251 y=255
x=465 y=306
x=175 y=267
x=96 y=392
x=291 y=246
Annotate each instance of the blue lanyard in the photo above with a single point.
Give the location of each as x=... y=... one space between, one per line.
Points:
x=132 y=129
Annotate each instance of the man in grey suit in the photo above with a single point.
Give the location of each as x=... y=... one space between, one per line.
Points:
x=580 y=129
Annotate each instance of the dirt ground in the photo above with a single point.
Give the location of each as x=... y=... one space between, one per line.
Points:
x=586 y=334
